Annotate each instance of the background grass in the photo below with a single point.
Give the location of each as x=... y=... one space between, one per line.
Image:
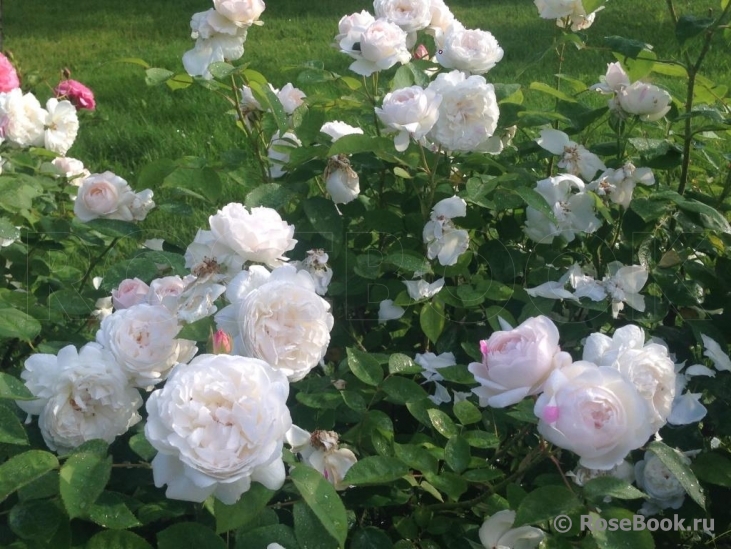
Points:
x=136 y=124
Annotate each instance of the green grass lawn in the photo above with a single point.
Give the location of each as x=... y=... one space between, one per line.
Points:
x=137 y=124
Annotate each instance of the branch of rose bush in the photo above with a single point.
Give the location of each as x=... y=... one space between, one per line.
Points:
x=94 y=263
x=253 y=139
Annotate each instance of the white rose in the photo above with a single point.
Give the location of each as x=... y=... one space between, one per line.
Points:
x=421 y=289
x=388 y=311
x=561 y=10
x=410 y=15
x=81 y=396
x=647 y=366
x=624 y=471
x=62 y=126
x=320 y=451
x=497 y=532
x=341 y=181
x=382 y=45
x=142 y=340
x=351 y=28
x=290 y=98
x=613 y=81
x=337 y=129
x=411 y=112
x=659 y=483
x=573 y=212
x=644 y=100
x=278 y=155
x=575 y=159
x=210 y=256
x=441 y=19
x=470 y=50
x=444 y=241
x=217 y=39
x=258 y=234
x=166 y=291
x=242 y=12
x=620 y=183
x=22 y=118
x=516 y=363
x=316 y=264
x=218 y=424
x=197 y=301
x=72 y=169
x=130 y=292
x=104 y=195
x=278 y=317
x=593 y=411
x=468 y=112
x=141 y=205
x=718 y=356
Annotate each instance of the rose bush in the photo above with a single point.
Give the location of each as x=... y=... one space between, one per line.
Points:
x=439 y=310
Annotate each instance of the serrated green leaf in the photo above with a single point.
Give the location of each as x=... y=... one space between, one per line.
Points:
x=545 y=503
x=14 y=389
x=251 y=503
x=713 y=468
x=689 y=26
x=117 y=539
x=535 y=201
x=110 y=511
x=432 y=320
x=189 y=535
x=83 y=478
x=481 y=439
x=155 y=76
x=466 y=412
x=620 y=538
x=308 y=530
x=364 y=367
x=457 y=454
x=375 y=470
x=322 y=499
x=674 y=462
x=358 y=143
x=203 y=181
x=325 y=218
x=36 y=520
x=626 y=46
x=11 y=430
x=402 y=390
x=451 y=484
x=416 y=457
x=483 y=475
x=545 y=88
x=442 y=423
x=370 y=538
x=270 y=102
x=402 y=364
x=17 y=324
x=601 y=487
x=23 y=469
x=409 y=262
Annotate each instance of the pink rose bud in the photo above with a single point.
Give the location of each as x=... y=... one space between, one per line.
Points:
x=421 y=52
x=219 y=343
x=8 y=76
x=79 y=95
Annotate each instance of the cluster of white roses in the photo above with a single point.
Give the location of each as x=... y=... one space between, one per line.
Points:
x=220 y=33
x=25 y=123
x=640 y=99
x=602 y=407
x=567 y=13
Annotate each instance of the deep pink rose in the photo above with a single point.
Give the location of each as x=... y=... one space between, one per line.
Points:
x=8 y=77
x=81 y=96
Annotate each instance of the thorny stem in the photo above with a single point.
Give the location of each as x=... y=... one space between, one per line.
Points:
x=254 y=140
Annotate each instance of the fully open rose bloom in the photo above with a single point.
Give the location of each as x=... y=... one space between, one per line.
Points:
x=278 y=154
x=516 y=363
x=594 y=411
x=320 y=451
x=410 y=112
x=22 y=119
x=648 y=102
x=61 y=126
x=566 y=10
x=278 y=317
x=79 y=95
x=444 y=241
x=8 y=76
x=575 y=159
x=109 y=196
x=351 y=28
x=257 y=234
x=143 y=342
x=620 y=183
x=471 y=50
x=497 y=532
x=381 y=46
x=218 y=425
x=468 y=112
x=410 y=15
x=81 y=396
x=217 y=39
x=130 y=292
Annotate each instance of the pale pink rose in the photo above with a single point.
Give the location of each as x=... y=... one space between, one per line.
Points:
x=130 y=292
x=8 y=76
x=79 y=95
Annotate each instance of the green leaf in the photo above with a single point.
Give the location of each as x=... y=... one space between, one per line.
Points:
x=308 y=530
x=481 y=439
x=402 y=390
x=451 y=484
x=220 y=69
x=83 y=478
x=358 y=143
x=600 y=487
x=402 y=364
x=263 y=536
x=550 y=90
x=689 y=26
x=271 y=195
x=545 y=503
x=11 y=430
x=536 y=201
x=467 y=413
x=110 y=511
x=325 y=218
x=432 y=320
x=620 y=538
x=17 y=324
x=713 y=468
x=205 y=182
x=321 y=497
x=155 y=76
x=270 y=102
x=626 y=46
x=375 y=470
x=365 y=367
x=457 y=454
x=117 y=539
x=36 y=520
x=483 y=475
x=189 y=535
x=416 y=457
x=23 y=469
x=442 y=423
x=231 y=517
x=370 y=538
x=408 y=261
x=674 y=462
x=13 y=388
x=71 y=302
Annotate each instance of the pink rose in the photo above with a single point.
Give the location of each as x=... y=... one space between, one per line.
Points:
x=129 y=293
x=81 y=96
x=8 y=77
